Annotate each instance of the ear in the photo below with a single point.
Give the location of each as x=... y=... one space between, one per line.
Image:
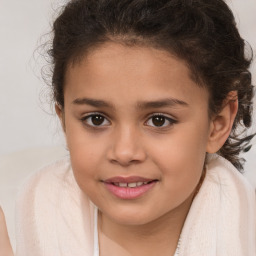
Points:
x=60 y=112
x=221 y=124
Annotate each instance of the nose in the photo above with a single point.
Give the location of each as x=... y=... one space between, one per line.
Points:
x=126 y=147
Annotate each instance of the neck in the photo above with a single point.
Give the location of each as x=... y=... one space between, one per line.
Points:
x=159 y=236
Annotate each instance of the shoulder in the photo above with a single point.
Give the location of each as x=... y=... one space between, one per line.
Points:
x=56 y=171
x=46 y=207
x=42 y=185
x=46 y=183
x=222 y=169
x=223 y=177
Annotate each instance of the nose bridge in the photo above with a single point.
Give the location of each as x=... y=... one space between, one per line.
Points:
x=127 y=145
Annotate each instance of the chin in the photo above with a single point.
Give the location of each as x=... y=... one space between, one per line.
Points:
x=130 y=218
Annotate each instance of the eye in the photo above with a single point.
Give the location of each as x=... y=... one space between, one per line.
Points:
x=95 y=120
x=160 y=120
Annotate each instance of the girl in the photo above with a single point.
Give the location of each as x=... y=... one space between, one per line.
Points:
x=151 y=96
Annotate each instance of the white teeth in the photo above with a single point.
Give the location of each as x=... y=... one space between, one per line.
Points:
x=132 y=185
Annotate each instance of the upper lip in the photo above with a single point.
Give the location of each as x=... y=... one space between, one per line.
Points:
x=130 y=179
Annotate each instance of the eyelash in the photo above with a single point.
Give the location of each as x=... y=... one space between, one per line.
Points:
x=171 y=121
x=85 y=119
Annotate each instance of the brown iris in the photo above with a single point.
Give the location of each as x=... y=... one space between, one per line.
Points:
x=97 y=120
x=158 y=120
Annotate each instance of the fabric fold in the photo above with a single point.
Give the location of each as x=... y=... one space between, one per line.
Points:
x=221 y=220
x=54 y=218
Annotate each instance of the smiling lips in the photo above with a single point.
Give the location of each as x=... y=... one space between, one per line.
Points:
x=129 y=187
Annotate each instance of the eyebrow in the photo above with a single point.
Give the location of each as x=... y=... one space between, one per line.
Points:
x=167 y=102
x=92 y=102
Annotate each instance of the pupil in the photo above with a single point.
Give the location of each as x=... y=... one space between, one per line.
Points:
x=158 y=120
x=97 y=120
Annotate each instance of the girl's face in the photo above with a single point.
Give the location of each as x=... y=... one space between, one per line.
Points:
x=137 y=128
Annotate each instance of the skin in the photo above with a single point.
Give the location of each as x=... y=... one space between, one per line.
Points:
x=5 y=246
x=128 y=143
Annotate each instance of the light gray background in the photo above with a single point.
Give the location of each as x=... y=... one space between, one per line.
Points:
x=25 y=119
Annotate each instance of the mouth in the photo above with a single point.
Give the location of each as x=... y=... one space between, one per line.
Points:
x=129 y=187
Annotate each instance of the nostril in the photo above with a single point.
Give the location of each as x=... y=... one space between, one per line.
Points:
x=124 y=162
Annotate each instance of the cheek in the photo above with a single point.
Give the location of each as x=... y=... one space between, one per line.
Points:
x=85 y=165
x=85 y=158
x=185 y=146
x=86 y=154
x=181 y=157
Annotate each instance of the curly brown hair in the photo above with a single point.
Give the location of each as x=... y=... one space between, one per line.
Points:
x=201 y=32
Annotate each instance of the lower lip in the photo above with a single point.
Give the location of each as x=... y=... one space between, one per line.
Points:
x=129 y=193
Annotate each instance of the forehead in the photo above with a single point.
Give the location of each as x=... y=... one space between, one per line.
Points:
x=129 y=74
